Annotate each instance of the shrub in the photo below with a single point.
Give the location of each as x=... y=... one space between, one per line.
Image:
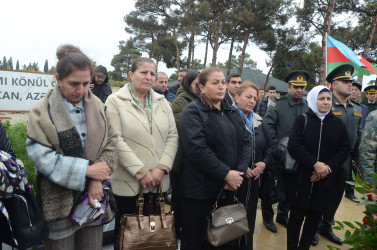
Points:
x=362 y=235
x=17 y=136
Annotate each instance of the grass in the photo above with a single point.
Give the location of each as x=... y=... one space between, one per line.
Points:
x=17 y=136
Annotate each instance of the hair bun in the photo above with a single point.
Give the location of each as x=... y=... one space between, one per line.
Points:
x=66 y=49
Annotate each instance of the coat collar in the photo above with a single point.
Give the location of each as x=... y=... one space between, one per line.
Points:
x=257 y=120
x=125 y=94
x=336 y=102
x=293 y=102
x=224 y=106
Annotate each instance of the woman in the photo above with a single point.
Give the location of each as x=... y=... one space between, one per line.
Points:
x=319 y=143
x=215 y=153
x=73 y=148
x=100 y=83
x=148 y=138
x=245 y=100
x=185 y=94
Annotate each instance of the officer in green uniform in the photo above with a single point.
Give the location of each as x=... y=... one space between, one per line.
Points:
x=371 y=94
x=350 y=113
x=279 y=120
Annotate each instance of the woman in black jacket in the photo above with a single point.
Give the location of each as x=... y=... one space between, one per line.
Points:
x=215 y=153
x=247 y=194
x=320 y=147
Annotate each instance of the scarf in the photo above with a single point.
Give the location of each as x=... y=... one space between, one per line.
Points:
x=50 y=125
x=247 y=120
x=312 y=100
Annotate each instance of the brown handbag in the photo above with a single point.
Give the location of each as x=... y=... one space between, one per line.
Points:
x=226 y=223
x=148 y=232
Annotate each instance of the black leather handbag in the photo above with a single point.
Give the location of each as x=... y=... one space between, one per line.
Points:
x=27 y=222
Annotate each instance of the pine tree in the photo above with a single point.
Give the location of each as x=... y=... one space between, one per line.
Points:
x=10 y=63
x=5 y=65
x=45 y=69
x=18 y=65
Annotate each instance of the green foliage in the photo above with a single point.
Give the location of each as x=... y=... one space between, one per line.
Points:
x=45 y=68
x=123 y=60
x=173 y=77
x=358 y=235
x=4 y=65
x=117 y=83
x=18 y=65
x=17 y=136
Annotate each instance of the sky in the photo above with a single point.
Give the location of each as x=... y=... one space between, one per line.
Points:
x=31 y=31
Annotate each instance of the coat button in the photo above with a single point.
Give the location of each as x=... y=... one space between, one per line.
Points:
x=83 y=134
x=77 y=111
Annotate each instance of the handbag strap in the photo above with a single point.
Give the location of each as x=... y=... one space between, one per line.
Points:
x=219 y=195
x=140 y=201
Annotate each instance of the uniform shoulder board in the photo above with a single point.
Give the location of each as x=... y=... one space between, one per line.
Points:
x=355 y=102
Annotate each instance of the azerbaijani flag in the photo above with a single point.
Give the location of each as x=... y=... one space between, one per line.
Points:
x=338 y=54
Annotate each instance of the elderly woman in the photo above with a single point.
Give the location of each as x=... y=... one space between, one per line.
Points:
x=319 y=143
x=216 y=152
x=185 y=94
x=148 y=138
x=245 y=99
x=73 y=148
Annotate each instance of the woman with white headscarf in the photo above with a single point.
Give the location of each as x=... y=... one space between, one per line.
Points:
x=319 y=143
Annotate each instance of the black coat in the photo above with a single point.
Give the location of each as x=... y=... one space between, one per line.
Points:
x=213 y=142
x=333 y=147
x=102 y=91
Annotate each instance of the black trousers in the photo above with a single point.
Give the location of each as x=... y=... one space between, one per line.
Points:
x=296 y=219
x=176 y=201
x=349 y=190
x=339 y=184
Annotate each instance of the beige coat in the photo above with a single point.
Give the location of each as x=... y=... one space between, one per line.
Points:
x=140 y=149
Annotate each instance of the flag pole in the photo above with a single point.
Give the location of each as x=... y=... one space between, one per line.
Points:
x=326 y=54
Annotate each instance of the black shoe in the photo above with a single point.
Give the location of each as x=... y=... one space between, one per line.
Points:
x=331 y=237
x=282 y=221
x=314 y=241
x=270 y=226
x=352 y=197
x=167 y=198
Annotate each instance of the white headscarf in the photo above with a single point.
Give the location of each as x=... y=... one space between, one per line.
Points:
x=312 y=100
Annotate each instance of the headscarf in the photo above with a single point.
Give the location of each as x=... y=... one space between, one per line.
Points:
x=312 y=100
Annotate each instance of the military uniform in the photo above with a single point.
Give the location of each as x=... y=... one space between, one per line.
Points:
x=368 y=148
x=351 y=115
x=280 y=119
x=370 y=90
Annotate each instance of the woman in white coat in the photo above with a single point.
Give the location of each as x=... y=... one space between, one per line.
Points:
x=148 y=138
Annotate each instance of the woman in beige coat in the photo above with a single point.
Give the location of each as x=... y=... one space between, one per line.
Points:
x=148 y=138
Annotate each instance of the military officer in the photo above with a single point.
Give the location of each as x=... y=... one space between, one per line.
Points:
x=371 y=94
x=279 y=119
x=350 y=113
x=356 y=96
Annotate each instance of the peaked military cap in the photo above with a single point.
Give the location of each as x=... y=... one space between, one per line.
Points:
x=356 y=84
x=372 y=89
x=343 y=72
x=297 y=78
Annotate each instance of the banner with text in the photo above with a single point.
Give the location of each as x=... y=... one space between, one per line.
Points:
x=19 y=91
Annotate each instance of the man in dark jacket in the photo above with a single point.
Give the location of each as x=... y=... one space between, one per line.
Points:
x=268 y=101
x=350 y=113
x=233 y=81
x=279 y=120
x=161 y=86
x=100 y=86
x=181 y=74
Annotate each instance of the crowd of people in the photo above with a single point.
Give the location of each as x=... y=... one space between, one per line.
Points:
x=211 y=133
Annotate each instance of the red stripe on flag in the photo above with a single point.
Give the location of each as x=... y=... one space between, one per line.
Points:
x=368 y=65
x=334 y=55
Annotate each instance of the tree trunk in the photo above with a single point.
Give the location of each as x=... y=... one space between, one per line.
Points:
x=192 y=57
x=268 y=75
x=176 y=49
x=245 y=42
x=216 y=44
x=206 y=53
x=190 y=49
x=231 y=52
x=326 y=30
x=369 y=41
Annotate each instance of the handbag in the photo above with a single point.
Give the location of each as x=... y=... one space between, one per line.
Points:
x=23 y=224
x=282 y=157
x=86 y=215
x=138 y=231
x=25 y=214
x=226 y=223
x=271 y=190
